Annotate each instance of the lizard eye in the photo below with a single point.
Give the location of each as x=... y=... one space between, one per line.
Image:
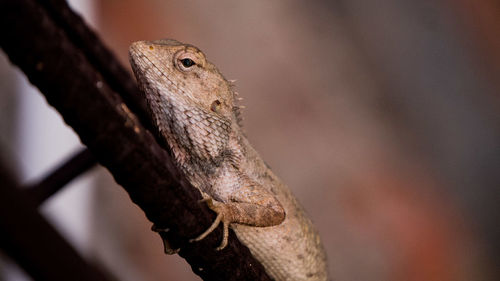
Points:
x=184 y=60
x=216 y=106
x=187 y=62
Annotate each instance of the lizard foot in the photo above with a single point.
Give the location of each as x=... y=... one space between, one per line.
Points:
x=167 y=248
x=217 y=208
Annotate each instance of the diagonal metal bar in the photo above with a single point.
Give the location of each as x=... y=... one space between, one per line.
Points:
x=62 y=175
x=74 y=86
x=36 y=246
x=112 y=71
x=97 y=54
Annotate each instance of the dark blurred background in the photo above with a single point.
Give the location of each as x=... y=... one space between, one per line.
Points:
x=383 y=117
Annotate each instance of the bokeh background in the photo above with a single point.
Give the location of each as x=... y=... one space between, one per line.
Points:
x=383 y=117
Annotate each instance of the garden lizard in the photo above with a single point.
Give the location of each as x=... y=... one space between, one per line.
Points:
x=194 y=109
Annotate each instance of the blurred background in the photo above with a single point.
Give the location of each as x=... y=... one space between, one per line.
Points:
x=383 y=117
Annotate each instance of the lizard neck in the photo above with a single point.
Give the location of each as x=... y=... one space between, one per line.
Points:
x=244 y=156
x=198 y=168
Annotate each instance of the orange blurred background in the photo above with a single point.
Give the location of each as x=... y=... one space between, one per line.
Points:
x=382 y=117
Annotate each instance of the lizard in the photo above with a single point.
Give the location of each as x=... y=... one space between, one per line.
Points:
x=195 y=110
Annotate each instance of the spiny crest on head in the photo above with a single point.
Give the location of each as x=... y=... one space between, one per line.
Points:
x=236 y=108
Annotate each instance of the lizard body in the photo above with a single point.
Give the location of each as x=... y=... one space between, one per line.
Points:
x=194 y=109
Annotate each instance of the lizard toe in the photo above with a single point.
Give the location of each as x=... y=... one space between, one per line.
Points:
x=209 y=230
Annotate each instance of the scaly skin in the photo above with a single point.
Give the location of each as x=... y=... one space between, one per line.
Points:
x=194 y=109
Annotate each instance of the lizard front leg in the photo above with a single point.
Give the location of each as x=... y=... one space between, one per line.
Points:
x=250 y=204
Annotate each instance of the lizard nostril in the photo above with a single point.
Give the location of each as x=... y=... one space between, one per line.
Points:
x=151 y=47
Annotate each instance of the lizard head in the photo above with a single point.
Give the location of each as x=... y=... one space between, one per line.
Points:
x=191 y=101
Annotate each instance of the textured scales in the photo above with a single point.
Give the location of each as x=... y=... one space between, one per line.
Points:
x=194 y=109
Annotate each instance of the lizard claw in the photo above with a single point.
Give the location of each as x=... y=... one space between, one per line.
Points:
x=206 y=199
x=209 y=230
x=223 y=244
x=158 y=229
x=217 y=221
x=167 y=248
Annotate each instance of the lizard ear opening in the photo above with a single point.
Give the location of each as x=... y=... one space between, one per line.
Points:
x=216 y=106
